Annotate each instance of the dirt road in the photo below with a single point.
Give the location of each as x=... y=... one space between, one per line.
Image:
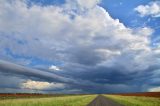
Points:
x=103 y=101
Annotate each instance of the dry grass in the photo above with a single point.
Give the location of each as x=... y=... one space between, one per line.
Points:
x=135 y=100
x=50 y=101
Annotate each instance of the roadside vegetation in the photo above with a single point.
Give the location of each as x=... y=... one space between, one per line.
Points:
x=135 y=100
x=81 y=100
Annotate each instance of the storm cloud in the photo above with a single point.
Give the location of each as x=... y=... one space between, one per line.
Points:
x=92 y=50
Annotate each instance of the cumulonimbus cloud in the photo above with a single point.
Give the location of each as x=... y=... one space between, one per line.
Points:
x=89 y=43
x=65 y=33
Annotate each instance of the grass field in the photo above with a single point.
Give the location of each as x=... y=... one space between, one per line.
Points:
x=27 y=95
x=135 y=100
x=82 y=100
x=146 y=94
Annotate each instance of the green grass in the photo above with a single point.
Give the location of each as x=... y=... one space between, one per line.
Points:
x=50 y=101
x=135 y=101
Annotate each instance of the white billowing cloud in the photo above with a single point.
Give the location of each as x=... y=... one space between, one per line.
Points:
x=146 y=31
x=83 y=4
x=152 y=9
x=155 y=89
x=39 y=85
x=53 y=67
x=88 y=3
x=69 y=35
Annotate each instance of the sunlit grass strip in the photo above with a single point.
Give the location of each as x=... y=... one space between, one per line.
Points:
x=52 y=101
x=135 y=101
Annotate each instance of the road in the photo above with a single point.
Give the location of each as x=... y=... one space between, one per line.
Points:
x=103 y=101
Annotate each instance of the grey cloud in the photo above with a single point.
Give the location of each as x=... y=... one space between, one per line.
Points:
x=8 y=67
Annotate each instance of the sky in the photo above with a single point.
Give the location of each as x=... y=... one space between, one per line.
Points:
x=79 y=46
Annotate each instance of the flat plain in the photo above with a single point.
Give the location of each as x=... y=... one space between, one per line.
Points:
x=135 y=100
x=78 y=100
x=130 y=99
